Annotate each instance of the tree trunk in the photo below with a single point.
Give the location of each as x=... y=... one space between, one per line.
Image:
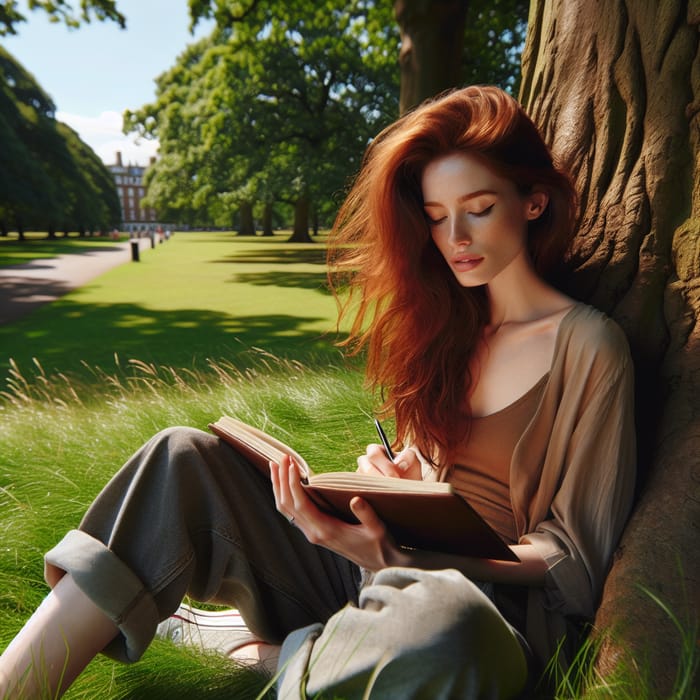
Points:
x=301 y=220
x=619 y=99
x=267 y=229
x=432 y=39
x=247 y=223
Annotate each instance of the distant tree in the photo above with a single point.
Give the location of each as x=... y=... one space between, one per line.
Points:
x=276 y=109
x=93 y=203
x=50 y=179
x=25 y=187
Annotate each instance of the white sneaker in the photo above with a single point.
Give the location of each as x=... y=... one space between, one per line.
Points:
x=215 y=630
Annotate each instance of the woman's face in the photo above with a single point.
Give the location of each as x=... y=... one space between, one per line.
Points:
x=477 y=219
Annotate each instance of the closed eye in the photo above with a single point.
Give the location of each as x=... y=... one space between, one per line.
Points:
x=483 y=212
x=433 y=222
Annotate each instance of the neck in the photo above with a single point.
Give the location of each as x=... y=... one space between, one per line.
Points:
x=519 y=295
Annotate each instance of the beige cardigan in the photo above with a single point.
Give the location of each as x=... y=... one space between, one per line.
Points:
x=573 y=471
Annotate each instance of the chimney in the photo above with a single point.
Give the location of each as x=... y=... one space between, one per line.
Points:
x=119 y=158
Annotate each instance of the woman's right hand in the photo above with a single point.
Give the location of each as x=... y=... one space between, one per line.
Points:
x=405 y=465
x=366 y=542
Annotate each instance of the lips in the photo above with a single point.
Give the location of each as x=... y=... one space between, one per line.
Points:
x=464 y=263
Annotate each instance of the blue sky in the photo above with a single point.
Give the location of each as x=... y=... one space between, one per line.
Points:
x=97 y=71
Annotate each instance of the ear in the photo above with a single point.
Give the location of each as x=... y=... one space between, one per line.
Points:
x=537 y=202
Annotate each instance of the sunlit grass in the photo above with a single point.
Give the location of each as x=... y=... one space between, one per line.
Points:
x=198 y=296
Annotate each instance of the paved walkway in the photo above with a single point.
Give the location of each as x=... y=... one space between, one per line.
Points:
x=25 y=287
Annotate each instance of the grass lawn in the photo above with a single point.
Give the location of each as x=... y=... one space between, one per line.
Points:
x=198 y=296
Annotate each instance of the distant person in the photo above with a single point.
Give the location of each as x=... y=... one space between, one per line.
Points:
x=500 y=384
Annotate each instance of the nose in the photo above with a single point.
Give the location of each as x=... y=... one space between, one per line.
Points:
x=459 y=232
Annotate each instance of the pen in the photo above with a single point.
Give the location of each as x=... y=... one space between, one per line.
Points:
x=384 y=439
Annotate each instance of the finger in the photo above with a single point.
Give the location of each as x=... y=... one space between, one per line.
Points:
x=380 y=463
x=294 y=485
x=408 y=464
x=275 y=479
x=280 y=504
x=286 y=504
x=367 y=516
x=365 y=466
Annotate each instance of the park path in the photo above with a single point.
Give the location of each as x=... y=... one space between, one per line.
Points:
x=25 y=287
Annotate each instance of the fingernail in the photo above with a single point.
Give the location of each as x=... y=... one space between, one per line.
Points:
x=403 y=466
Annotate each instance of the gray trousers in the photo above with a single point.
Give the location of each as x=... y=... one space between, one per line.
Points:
x=188 y=515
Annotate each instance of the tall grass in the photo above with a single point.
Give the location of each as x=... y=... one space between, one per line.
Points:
x=630 y=679
x=63 y=438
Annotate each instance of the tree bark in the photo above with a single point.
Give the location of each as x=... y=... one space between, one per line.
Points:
x=247 y=223
x=301 y=220
x=615 y=87
x=432 y=40
x=267 y=229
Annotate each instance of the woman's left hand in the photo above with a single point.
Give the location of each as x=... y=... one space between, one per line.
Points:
x=366 y=543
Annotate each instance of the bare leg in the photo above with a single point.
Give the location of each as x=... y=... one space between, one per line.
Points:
x=65 y=632
x=258 y=655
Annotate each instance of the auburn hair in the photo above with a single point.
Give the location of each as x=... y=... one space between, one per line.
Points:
x=417 y=324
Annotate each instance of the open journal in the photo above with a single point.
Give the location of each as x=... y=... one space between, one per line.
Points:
x=418 y=514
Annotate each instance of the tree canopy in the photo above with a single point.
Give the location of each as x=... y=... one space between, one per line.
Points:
x=50 y=179
x=276 y=109
x=277 y=105
x=59 y=11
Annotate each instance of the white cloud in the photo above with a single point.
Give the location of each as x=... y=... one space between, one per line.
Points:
x=104 y=135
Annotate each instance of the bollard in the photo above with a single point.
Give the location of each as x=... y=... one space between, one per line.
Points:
x=134 y=251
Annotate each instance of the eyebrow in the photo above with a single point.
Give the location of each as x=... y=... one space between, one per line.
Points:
x=463 y=198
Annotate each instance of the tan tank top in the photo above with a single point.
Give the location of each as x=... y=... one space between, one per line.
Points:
x=481 y=473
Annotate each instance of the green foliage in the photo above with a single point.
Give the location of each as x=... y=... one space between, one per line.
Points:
x=50 y=179
x=276 y=108
x=59 y=11
x=494 y=38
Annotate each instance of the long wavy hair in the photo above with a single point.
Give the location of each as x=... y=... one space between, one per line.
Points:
x=419 y=326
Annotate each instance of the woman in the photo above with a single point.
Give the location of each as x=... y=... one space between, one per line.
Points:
x=499 y=383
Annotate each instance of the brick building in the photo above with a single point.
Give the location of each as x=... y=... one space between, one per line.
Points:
x=129 y=182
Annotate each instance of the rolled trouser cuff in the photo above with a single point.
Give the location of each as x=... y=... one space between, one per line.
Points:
x=111 y=586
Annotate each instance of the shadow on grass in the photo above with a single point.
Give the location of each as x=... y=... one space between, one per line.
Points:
x=277 y=255
x=70 y=333
x=301 y=280
x=15 y=252
x=281 y=255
